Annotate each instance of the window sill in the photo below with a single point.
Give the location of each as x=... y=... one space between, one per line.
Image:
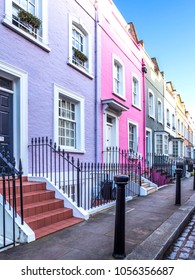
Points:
x=136 y=107
x=119 y=96
x=72 y=151
x=152 y=117
x=24 y=34
x=81 y=70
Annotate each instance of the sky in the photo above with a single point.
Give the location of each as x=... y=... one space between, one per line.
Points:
x=167 y=28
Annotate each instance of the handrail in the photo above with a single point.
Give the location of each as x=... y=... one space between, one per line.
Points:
x=11 y=166
x=12 y=172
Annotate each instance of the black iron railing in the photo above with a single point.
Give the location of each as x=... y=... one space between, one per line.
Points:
x=12 y=196
x=89 y=185
x=49 y=161
x=158 y=168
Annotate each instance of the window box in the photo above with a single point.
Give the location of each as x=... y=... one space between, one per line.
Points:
x=29 y=29
x=80 y=56
x=29 y=18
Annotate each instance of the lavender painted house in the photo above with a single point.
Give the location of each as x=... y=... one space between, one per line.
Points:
x=47 y=76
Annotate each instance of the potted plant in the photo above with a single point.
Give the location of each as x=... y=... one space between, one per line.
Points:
x=80 y=55
x=29 y=18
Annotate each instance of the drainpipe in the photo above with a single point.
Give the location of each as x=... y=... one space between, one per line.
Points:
x=144 y=71
x=96 y=83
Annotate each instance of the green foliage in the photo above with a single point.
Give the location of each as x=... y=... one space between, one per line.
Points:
x=29 y=18
x=80 y=55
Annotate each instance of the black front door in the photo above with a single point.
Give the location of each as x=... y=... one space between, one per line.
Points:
x=6 y=122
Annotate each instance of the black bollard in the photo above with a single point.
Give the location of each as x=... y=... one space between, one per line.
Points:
x=194 y=177
x=119 y=235
x=178 y=186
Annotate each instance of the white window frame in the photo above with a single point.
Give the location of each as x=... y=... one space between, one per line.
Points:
x=160 y=111
x=173 y=122
x=136 y=98
x=178 y=126
x=182 y=129
x=79 y=26
x=135 y=140
x=151 y=99
x=179 y=148
x=121 y=78
x=67 y=122
x=43 y=15
x=168 y=118
x=80 y=118
x=165 y=144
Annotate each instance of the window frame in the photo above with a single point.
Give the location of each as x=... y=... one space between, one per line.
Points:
x=136 y=104
x=121 y=79
x=168 y=118
x=173 y=122
x=178 y=126
x=164 y=143
x=60 y=92
x=135 y=136
x=67 y=116
x=151 y=112
x=179 y=148
x=43 y=15
x=82 y=46
x=79 y=26
x=160 y=112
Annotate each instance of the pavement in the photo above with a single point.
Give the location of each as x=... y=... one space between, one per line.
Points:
x=152 y=224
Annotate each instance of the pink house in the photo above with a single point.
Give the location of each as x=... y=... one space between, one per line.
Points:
x=122 y=83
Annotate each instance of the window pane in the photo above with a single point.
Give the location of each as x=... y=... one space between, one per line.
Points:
x=132 y=137
x=135 y=92
x=159 y=147
x=117 y=77
x=67 y=126
x=5 y=83
x=23 y=3
x=31 y=9
x=77 y=40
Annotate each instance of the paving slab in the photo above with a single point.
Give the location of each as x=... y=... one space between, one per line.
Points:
x=151 y=224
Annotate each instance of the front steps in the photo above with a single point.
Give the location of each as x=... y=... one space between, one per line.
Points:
x=147 y=187
x=43 y=213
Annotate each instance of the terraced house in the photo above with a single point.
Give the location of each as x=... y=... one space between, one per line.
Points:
x=80 y=102
x=47 y=94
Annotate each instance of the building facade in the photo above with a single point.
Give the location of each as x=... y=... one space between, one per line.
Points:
x=156 y=137
x=122 y=84
x=47 y=76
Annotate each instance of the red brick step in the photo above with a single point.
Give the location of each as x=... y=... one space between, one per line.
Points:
x=42 y=211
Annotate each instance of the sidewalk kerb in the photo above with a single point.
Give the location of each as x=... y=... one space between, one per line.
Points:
x=155 y=246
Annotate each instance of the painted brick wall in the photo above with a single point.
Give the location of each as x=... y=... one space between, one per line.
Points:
x=46 y=68
x=116 y=40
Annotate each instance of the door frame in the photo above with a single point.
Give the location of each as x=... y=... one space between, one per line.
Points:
x=115 y=127
x=20 y=111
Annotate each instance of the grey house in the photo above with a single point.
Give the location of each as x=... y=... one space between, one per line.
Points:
x=156 y=137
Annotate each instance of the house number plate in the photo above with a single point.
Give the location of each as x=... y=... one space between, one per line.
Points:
x=1 y=139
